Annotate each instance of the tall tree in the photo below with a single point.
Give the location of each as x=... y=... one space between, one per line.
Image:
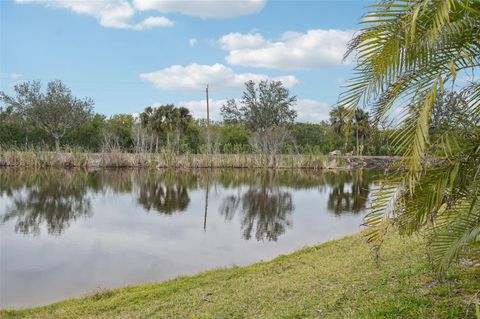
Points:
x=121 y=126
x=165 y=120
x=361 y=125
x=264 y=106
x=150 y=121
x=407 y=53
x=339 y=121
x=181 y=120
x=450 y=110
x=56 y=112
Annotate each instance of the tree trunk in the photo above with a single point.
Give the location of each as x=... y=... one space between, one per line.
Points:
x=358 y=150
x=362 y=144
x=156 y=144
x=57 y=143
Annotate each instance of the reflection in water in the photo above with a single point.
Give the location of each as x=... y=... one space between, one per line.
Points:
x=55 y=198
x=165 y=195
x=50 y=198
x=90 y=228
x=207 y=192
x=263 y=207
x=341 y=200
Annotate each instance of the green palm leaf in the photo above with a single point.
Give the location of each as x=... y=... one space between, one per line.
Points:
x=408 y=53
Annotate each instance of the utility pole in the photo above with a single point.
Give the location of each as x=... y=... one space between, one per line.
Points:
x=208 y=122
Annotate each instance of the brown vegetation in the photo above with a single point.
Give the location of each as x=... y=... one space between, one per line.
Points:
x=39 y=159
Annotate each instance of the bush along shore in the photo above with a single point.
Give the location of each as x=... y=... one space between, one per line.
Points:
x=39 y=159
x=337 y=279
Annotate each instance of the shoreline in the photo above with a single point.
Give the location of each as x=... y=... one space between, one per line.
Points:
x=41 y=159
x=330 y=279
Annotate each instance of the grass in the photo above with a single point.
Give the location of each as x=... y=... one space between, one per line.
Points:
x=338 y=279
x=41 y=159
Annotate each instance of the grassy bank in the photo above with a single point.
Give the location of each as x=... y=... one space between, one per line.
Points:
x=39 y=159
x=338 y=279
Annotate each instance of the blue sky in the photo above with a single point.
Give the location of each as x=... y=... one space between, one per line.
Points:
x=128 y=54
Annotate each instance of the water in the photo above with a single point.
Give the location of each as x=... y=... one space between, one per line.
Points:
x=67 y=233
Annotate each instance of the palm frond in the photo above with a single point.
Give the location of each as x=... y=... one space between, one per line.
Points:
x=386 y=205
x=407 y=54
x=461 y=227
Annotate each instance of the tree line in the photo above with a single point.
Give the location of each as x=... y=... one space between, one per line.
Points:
x=262 y=121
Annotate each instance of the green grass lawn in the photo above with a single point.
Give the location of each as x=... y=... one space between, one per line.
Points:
x=338 y=279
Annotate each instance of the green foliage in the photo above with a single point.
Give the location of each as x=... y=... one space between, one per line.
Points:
x=88 y=136
x=235 y=134
x=172 y=127
x=56 y=112
x=262 y=106
x=19 y=132
x=313 y=138
x=121 y=126
x=190 y=138
x=166 y=120
x=354 y=132
x=234 y=138
x=408 y=53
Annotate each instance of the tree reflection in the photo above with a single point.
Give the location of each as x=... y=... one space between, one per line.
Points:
x=264 y=210
x=349 y=192
x=165 y=192
x=263 y=204
x=51 y=198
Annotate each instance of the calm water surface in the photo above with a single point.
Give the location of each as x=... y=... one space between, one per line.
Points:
x=66 y=233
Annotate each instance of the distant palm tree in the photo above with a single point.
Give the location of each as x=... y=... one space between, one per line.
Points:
x=167 y=116
x=361 y=123
x=181 y=119
x=408 y=54
x=164 y=120
x=338 y=121
x=150 y=121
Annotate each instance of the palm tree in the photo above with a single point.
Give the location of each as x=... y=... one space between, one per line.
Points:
x=151 y=121
x=181 y=120
x=362 y=128
x=167 y=116
x=408 y=53
x=164 y=120
x=338 y=121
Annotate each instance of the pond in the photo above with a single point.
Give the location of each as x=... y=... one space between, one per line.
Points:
x=67 y=233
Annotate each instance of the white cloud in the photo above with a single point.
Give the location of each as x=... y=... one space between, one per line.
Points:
x=11 y=76
x=195 y=77
x=199 y=108
x=238 y=41
x=15 y=76
x=192 y=42
x=10 y=79
x=119 y=13
x=110 y=13
x=312 y=111
x=295 y=51
x=203 y=8
x=152 y=22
